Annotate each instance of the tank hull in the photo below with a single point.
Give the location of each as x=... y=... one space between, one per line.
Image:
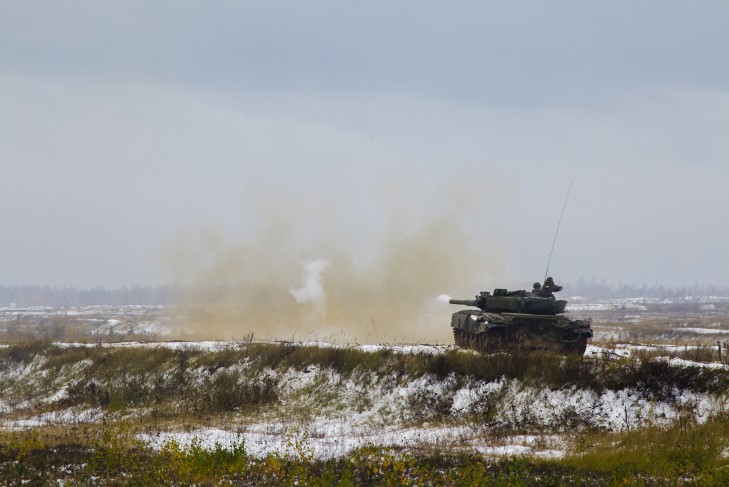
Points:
x=495 y=332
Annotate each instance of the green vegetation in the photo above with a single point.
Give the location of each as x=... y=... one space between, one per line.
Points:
x=683 y=455
x=684 y=450
x=188 y=381
x=135 y=387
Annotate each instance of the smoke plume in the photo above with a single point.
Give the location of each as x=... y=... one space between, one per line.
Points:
x=312 y=291
x=307 y=270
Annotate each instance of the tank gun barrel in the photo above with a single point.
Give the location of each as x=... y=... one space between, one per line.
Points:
x=464 y=302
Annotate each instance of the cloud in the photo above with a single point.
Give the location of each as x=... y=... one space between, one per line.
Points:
x=564 y=53
x=123 y=168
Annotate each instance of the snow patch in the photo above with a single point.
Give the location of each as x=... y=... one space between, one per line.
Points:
x=704 y=331
x=332 y=441
x=71 y=416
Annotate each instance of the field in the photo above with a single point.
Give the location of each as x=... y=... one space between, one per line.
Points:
x=94 y=395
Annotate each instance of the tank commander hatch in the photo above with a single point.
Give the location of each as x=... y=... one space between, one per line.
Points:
x=547 y=289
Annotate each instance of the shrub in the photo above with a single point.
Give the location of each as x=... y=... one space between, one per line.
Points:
x=25 y=351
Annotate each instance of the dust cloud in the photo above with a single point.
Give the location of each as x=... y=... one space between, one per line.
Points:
x=320 y=265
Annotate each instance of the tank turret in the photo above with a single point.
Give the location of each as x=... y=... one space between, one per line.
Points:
x=529 y=320
x=520 y=301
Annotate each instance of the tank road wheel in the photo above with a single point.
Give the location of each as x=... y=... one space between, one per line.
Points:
x=489 y=342
x=478 y=343
x=470 y=341
x=485 y=343
x=465 y=339
x=494 y=341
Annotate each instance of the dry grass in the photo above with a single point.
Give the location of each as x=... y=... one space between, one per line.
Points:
x=149 y=389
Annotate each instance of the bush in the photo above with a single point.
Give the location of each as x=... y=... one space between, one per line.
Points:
x=25 y=351
x=226 y=392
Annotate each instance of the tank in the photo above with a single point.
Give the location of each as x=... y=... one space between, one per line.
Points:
x=519 y=320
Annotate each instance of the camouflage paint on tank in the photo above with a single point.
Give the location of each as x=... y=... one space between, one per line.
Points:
x=527 y=320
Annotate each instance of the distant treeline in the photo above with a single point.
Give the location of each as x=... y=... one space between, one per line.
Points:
x=601 y=289
x=23 y=296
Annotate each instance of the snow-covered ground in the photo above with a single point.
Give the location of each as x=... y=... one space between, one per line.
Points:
x=694 y=303
x=65 y=417
x=265 y=439
x=382 y=409
x=521 y=407
x=346 y=412
x=89 y=321
x=705 y=331
x=141 y=322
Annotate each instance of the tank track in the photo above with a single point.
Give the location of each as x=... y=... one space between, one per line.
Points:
x=497 y=342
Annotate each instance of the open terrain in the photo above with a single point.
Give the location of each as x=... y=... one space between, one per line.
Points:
x=93 y=393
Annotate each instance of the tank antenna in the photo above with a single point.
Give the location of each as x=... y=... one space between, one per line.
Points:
x=557 y=231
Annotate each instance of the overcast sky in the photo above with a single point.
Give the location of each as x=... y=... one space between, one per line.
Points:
x=129 y=126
